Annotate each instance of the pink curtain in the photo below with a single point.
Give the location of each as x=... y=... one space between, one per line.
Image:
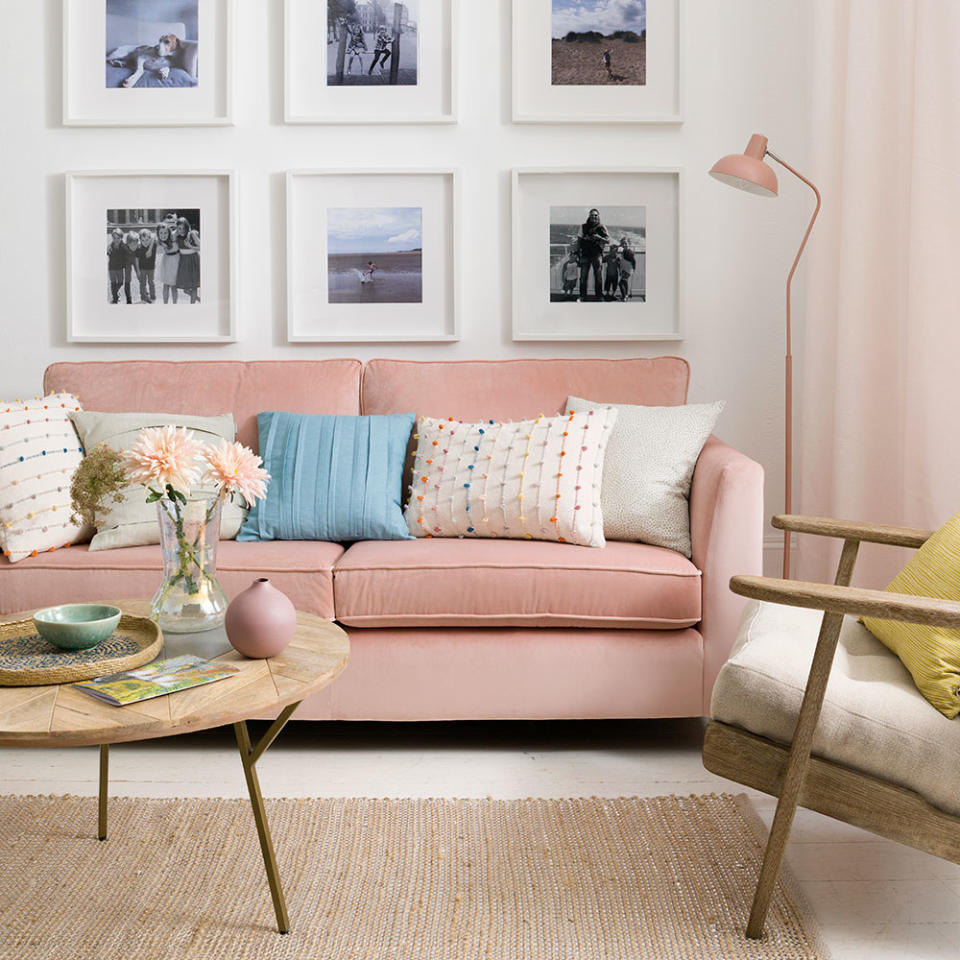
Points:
x=879 y=405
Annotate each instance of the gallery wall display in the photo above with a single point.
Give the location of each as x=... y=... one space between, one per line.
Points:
x=151 y=256
x=147 y=62
x=596 y=254
x=370 y=62
x=372 y=255
x=596 y=61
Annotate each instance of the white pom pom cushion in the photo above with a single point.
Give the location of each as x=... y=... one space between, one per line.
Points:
x=528 y=480
x=649 y=468
x=39 y=452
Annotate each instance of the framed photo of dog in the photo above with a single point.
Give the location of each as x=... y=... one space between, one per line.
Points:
x=379 y=61
x=597 y=61
x=148 y=62
x=152 y=256
x=597 y=254
x=372 y=255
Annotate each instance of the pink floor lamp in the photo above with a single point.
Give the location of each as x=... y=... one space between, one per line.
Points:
x=747 y=171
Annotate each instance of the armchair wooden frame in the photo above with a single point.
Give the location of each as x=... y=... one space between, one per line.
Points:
x=791 y=773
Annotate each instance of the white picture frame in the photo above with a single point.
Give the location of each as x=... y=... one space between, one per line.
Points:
x=546 y=198
x=95 y=198
x=92 y=92
x=336 y=217
x=308 y=97
x=537 y=99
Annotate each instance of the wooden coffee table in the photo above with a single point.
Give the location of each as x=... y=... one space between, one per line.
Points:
x=61 y=716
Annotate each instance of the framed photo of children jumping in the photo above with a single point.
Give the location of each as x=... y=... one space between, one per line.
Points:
x=372 y=255
x=143 y=63
x=151 y=257
x=596 y=61
x=596 y=254
x=370 y=61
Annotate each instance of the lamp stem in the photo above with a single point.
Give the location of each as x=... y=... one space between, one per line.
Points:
x=788 y=372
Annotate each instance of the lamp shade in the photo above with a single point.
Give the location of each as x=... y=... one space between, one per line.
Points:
x=747 y=171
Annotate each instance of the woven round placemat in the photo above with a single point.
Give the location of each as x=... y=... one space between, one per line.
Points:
x=27 y=660
x=669 y=878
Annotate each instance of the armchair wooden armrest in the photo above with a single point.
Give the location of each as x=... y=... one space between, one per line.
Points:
x=852 y=600
x=853 y=530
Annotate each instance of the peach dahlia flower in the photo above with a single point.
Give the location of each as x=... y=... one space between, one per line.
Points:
x=164 y=455
x=235 y=468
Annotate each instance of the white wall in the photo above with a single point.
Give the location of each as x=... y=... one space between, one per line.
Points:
x=744 y=70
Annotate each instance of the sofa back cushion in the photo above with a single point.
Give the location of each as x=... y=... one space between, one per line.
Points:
x=473 y=390
x=205 y=388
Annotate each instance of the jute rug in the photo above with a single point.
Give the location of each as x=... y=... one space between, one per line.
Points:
x=667 y=878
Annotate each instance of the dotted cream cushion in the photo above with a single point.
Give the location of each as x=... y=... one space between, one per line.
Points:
x=39 y=453
x=649 y=468
x=931 y=654
x=528 y=480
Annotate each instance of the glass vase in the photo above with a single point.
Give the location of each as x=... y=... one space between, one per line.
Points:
x=190 y=599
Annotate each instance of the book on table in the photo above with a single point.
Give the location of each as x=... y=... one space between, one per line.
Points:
x=156 y=679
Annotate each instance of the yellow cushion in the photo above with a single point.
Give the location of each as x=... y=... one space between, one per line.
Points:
x=931 y=654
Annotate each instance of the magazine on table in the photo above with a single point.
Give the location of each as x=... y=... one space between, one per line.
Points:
x=156 y=679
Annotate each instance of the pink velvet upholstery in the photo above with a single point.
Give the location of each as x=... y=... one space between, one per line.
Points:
x=303 y=571
x=509 y=674
x=474 y=390
x=209 y=387
x=515 y=583
x=435 y=671
x=726 y=531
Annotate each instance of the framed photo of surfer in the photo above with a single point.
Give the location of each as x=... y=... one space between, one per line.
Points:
x=597 y=254
x=372 y=255
x=597 y=61
x=148 y=62
x=151 y=257
x=369 y=61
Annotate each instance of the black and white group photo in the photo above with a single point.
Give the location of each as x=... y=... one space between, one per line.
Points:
x=598 y=254
x=153 y=256
x=372 y=42
x=152 y=43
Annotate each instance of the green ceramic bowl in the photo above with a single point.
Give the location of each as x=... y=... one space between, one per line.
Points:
x=77 y=626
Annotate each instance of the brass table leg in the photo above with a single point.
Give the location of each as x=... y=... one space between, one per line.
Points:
x=102 y=802
x=249 y=756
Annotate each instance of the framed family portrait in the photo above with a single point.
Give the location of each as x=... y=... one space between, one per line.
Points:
x=147 y=62
x=372 y=255
x=596 y=254
x=151 y=257
x=370 y=61
x=596 y=61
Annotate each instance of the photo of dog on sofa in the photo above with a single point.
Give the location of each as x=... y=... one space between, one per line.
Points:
x=152 y=43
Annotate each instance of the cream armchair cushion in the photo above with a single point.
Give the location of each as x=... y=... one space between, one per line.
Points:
x=874 y=718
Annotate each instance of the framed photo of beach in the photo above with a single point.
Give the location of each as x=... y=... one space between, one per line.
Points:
x=148 y=63
x=370 y=61
x=372 y=255
x=597 y=61
x=596 y=254
x=151 y=256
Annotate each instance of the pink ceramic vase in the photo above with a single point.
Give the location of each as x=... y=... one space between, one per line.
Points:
x=260 y=621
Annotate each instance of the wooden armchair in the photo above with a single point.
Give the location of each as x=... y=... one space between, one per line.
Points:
x=795 y=772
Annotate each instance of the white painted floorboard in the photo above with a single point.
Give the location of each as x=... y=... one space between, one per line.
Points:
x=875 y=899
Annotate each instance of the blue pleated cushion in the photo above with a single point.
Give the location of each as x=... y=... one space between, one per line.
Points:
x=332 y=478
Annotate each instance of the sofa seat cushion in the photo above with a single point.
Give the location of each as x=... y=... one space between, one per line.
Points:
x=511 y=583
x=874 y=718
x=302 y=570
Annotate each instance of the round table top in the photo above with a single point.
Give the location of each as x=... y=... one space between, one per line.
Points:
x=61 y=715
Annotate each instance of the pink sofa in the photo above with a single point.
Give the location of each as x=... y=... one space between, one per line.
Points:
x=457 y=629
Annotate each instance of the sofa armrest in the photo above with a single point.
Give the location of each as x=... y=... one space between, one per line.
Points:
x=726 y=533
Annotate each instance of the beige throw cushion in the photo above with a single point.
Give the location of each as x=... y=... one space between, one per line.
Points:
x=648 y=470
x=133 y=522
